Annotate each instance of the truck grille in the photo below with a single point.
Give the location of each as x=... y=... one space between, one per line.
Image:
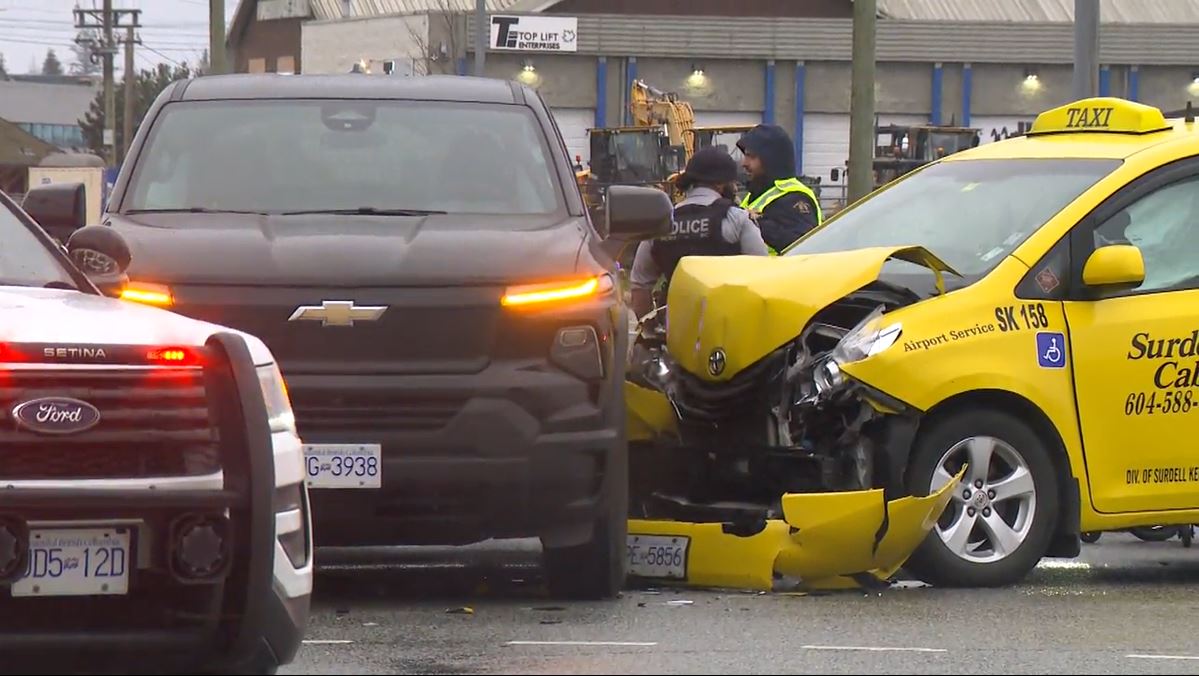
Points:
x=153 y=423
x=322 y=411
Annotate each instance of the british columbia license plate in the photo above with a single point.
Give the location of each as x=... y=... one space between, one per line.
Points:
x=344 y=465
x=660 y=556
x=76 y=562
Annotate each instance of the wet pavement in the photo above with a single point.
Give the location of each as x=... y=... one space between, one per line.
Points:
x=1125 y=606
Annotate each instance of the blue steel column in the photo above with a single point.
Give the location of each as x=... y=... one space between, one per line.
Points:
x=800 y=76
x=1134 y=83
x=630 y=77
x=768 y=102
x=1105 y=81
x=601 y=92
x=938 y=80
x=967 y=86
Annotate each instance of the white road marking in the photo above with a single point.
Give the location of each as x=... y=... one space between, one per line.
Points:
x=326 y=642
x=1162 y=657
x=875 y=649
x=626 y=644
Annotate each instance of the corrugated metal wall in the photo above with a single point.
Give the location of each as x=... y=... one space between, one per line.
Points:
x=919 y=41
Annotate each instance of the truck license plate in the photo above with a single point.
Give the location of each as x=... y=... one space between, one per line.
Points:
x=344 y=465
x=76 y=562
x=661 y=556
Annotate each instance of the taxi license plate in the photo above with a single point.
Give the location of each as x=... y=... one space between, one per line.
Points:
x=344 y=465
x=76 y=562
x=658 y=556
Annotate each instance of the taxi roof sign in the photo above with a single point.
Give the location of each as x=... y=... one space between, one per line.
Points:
x=1101 y=114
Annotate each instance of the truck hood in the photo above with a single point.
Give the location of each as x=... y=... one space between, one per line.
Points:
x=349 y=250
x=749 y=306
x=60 y=317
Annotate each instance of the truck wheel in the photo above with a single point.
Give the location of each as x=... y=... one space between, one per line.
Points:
x=1001 y=519
x=596 y=569
x=591 y=571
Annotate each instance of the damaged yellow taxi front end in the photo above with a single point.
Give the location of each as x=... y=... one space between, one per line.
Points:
x=726 y=316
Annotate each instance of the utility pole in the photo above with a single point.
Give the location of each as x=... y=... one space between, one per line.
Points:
x=861 y=102
x=110 y=108
x=482 y=36
x=1086 y=49
x=216 y=37
x=107 y=20
x=130 y=77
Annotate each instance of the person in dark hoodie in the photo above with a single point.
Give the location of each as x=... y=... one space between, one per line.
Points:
x=784 y=208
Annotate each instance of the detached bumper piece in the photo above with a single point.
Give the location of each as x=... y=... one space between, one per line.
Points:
x=824 y=541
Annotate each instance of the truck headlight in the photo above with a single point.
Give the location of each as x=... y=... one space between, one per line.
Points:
x=868 y=338
x=278 y=403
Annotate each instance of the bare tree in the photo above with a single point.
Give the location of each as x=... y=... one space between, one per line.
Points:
x=440 y=41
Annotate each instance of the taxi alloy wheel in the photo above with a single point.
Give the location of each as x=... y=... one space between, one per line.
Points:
x=1001 y=519
x=992 y=515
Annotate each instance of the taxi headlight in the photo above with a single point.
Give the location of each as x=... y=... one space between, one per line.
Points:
x=868 y=338
x=278 y=403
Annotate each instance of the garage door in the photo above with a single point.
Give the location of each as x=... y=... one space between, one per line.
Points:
x=826 y=140
x=716 y=118
x=574 y=123
x=999 y=127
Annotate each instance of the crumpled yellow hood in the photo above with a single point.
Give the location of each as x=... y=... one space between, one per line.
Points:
x=748 y=306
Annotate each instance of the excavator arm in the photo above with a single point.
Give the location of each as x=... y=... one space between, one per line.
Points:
x=650 y=107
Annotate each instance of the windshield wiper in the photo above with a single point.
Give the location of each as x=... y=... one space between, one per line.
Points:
x=194 y=210
x=367 y=211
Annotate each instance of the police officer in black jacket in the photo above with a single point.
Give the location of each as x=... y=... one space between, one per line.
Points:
x=706 y=223
x=783 y=207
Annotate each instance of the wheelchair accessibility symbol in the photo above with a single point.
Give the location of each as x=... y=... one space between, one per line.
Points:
x=1051 y=350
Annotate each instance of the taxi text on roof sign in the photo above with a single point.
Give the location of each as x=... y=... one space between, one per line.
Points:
x=1102 y=114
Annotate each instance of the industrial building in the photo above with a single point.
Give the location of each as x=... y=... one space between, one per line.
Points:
x=988 y=65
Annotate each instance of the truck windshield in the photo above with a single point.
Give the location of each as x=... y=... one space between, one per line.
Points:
x=969 y=213
x=24 y=259
x=345 y=156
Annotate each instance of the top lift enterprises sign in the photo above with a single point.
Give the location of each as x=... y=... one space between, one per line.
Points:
x=534 y=33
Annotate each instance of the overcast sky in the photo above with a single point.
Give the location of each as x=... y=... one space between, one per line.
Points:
x=174 y=30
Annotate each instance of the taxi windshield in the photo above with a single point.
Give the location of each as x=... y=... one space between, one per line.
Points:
x=969 y=213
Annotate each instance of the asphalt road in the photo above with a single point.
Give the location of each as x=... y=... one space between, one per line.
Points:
x=1126 y=606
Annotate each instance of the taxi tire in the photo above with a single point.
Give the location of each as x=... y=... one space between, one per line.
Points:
x=932 y=562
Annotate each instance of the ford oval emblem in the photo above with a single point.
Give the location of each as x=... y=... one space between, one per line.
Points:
x=56 y=415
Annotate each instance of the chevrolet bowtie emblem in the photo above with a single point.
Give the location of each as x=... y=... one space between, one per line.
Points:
x=337 y=313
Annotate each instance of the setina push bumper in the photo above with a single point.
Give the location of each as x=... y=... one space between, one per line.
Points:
x=830 y=540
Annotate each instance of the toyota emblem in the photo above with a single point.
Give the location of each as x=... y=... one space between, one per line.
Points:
x=716 y=362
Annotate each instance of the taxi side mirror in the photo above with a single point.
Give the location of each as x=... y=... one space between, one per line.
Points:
x=1115 y=266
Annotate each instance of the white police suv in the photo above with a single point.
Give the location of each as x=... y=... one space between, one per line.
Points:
x=152 y=508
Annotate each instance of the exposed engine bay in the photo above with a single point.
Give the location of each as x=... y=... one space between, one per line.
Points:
x=789 y=424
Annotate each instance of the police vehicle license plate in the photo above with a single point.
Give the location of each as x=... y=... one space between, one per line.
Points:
x=76 y=562
x=662 y=556
x=344 y=465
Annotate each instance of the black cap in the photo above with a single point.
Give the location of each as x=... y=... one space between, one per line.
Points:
x=712 y=166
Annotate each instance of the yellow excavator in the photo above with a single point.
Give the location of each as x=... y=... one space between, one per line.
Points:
x=653 y=149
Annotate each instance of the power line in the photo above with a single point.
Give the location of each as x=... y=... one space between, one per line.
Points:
x=163 y=55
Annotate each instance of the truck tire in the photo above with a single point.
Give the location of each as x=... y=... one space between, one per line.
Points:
x=596 y=569
x=1002 y=517
x=592 y=571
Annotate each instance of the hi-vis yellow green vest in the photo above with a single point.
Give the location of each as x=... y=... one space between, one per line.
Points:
x=782 y=187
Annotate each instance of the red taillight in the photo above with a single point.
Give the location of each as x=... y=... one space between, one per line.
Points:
x=174 y=356
x=9 y=354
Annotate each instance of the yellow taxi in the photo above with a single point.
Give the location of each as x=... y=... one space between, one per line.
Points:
x=1022 y=315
